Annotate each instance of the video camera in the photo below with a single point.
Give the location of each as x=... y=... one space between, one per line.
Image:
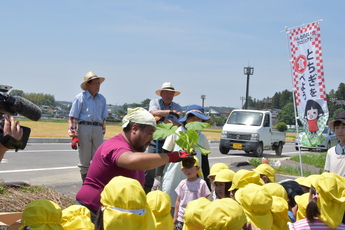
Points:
x=14 y=106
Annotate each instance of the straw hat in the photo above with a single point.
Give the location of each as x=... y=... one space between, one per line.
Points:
x=168 y=87
x=89 y=76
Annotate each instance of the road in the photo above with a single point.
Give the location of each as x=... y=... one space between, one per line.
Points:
x=55 y=164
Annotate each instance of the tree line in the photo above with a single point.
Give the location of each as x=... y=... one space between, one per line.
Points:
x=282 y=101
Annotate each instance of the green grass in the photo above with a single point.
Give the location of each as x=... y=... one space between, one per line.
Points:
x=315 y=159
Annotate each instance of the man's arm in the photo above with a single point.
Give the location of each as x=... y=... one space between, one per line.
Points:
x=146 y=161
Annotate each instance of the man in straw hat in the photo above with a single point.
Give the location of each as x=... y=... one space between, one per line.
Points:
x=123 y=155
x=87 y=120
x=335 y=159
x=167 y=111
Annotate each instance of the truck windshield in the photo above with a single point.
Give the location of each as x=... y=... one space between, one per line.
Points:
x=245 y=118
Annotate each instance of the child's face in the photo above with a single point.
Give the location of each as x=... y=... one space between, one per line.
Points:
x=193 y=119
x=312 y=114
x=191 y=173
x=220 y=189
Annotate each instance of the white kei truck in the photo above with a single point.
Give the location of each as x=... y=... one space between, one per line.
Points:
x=251 y=131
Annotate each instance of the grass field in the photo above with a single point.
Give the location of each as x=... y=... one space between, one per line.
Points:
x=58 y=129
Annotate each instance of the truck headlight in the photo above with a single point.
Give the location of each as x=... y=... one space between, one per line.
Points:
x=224 y=134
x=255 y=137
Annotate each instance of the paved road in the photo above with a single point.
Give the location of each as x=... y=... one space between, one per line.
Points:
x=55 y=164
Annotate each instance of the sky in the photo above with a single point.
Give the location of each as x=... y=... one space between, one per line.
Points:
x=200 y=46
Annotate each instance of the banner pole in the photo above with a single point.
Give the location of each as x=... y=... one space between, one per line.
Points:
x=294 y=105
x=287 y=29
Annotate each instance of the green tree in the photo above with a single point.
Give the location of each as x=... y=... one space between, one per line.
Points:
x=281 y=126
x=287 y=114
x=16 y=92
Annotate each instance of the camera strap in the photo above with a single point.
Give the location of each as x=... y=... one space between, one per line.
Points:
x=10 y=142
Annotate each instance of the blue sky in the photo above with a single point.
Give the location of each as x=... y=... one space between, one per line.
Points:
x=199 y=46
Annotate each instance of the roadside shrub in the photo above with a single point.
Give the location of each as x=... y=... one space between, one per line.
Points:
x=281 y=126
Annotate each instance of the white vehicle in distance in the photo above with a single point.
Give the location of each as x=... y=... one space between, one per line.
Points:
x=331 y=140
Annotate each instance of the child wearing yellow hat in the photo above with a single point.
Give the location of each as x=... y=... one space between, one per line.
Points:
x=243 y=177
x=124 y=206
x=266 y=172
x=189 y=189
x=223 y=214
x=326 y=206
x=192 y=215
x=256 y=203
x=160 y=204
x=223 y=182
x=215 y=168
x=42 y=214
x=76 y=217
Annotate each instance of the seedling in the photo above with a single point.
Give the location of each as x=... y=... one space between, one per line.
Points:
x=188 y=141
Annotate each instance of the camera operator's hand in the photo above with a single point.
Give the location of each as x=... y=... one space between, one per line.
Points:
x=11 y=129
x=75 y=143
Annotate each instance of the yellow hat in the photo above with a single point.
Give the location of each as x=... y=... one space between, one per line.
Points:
x=310 y=180
x=225 y=175
x=300 y=179
x=223 y=214
x=302 y=201
x=267 y=170
x=331 y=200
x=76 y=217
x=192 y=214
x=243 y=177
x=125 y=205
x=280 y=213
x=160 y=204
x=42 y=214
x=275 y=189
x=216 y=168
x=256 y=203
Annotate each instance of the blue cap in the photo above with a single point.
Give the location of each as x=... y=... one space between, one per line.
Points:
x=197 y=110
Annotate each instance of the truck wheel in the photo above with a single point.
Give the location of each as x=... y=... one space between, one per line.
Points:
x=223 y=150
x=258 y=151
x=279 y=149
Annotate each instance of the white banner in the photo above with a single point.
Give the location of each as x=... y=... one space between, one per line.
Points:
x=308 y=79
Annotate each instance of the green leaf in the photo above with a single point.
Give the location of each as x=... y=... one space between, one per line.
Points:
x=203 y=150
x=164 y=130
x=197 y=125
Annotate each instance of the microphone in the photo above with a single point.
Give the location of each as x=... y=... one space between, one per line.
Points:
x=25 y=107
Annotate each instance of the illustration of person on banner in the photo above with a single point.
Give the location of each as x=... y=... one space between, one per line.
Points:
x=308 y=80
